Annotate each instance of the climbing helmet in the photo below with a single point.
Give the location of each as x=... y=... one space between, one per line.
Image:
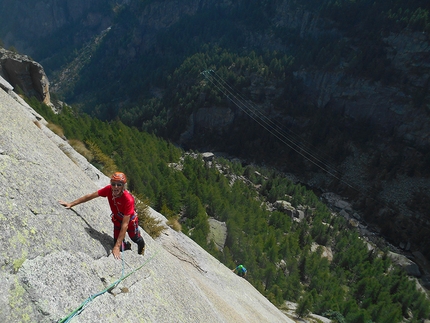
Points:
x=119 y=177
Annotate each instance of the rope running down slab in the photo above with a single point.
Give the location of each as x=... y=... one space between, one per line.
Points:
x=81 y=307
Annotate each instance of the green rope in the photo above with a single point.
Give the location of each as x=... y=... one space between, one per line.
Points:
x=81 y=307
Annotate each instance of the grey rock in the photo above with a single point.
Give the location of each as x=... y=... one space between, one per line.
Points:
x=337 y=201
x=5 y=85
x=208 y=156
x=217 y=233
x=326 y=251
x=300 y=214
x=286 y=207
x=408 y=265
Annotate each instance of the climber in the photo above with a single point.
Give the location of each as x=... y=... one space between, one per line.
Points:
x=240 y=270
x=124 y=216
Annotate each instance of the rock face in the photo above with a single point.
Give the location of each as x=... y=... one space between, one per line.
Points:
x=387 y=107
x=22 y=72
x=217 y=233
x=51 y=17
x=88 y=18
x=408 y=266
x=55 y=260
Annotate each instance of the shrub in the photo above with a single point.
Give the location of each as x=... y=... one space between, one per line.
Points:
x=80 y=147
x=151 y=225
x=174 y=224
x=103 y=161
x=304 y=306
x=56 y=129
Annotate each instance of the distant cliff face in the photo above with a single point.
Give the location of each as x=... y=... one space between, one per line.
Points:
x=28 y=23
x=388 y=106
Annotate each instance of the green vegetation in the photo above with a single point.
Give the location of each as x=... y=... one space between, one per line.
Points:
x=151 y=225
x=284 y=257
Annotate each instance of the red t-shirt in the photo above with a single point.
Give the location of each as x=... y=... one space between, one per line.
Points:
x=123 y=204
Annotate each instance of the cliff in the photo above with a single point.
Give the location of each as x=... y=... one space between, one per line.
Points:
x=29 y=35
x=53 y=260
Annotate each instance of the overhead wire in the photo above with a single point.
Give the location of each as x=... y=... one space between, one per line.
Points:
x=289 y=139
x=288 y=133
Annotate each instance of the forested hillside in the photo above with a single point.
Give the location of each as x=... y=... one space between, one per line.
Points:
x=286 y=257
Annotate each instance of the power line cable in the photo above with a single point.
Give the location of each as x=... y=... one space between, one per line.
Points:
x=270 y=126
x=290 y=139
x=288 y=134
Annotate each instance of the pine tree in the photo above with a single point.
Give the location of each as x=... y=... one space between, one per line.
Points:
x=304 y=306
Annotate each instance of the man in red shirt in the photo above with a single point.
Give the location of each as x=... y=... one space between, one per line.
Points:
x=124 y=216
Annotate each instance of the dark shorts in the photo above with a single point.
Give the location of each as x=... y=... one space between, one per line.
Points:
x=132 y=230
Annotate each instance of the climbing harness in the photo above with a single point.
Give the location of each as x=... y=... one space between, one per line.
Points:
x=81 y=307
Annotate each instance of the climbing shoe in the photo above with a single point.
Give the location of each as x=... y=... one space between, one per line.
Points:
x=140 y=246
x=126 y=245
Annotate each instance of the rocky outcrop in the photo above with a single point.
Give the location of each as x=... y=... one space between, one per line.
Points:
x=24 y=74
x=217 y=233
x=55 y=262
x=386 y=107
x=215 y=120
x=408 y=266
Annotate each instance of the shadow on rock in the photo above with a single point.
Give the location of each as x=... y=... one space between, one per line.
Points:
x=105 y=239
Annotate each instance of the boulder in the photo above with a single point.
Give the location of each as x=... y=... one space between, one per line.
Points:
x=208 y=156
x=326 y=252
x=217 y=233
x=285 y=207
x=337 y=202
x=408 y=265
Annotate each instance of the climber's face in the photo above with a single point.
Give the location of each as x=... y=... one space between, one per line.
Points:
x=117 y=188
